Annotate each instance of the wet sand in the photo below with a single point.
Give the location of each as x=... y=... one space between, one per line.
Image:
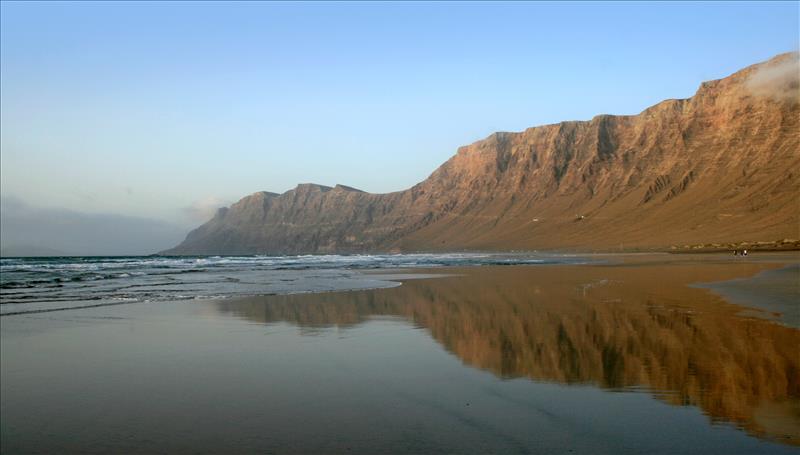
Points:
x=624 y=357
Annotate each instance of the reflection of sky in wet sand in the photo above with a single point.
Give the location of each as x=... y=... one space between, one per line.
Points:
x=617 y=327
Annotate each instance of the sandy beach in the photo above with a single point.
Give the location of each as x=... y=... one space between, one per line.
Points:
x=638 y=353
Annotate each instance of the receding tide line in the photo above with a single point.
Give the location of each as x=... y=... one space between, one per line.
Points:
x=385 y=279
x=48 y=310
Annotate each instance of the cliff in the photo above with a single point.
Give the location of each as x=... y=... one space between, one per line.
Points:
x=721 y=166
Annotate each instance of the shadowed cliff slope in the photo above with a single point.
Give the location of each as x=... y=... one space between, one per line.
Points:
x=721 y=166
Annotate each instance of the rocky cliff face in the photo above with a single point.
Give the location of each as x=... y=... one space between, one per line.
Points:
x=721 y=166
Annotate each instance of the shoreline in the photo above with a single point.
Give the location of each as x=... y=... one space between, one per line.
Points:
x=772 y=246
x=379 y=278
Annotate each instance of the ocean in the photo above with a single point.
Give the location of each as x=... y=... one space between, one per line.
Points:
x=29 y=285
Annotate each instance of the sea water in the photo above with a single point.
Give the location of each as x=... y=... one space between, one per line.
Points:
x=53 y=283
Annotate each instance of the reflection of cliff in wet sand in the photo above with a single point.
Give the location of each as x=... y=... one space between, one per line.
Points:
x=613 y=326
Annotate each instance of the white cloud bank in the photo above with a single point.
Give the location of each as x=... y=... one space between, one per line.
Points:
x=204 y=209
x=26 y=230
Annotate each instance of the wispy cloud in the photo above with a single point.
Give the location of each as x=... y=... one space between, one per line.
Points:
x=780 y=80
x=204 y=209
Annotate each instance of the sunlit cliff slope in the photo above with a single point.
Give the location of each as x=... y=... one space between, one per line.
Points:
x=721 y=166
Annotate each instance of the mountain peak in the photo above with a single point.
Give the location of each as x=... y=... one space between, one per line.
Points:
x=340 y=187
x=306 y=187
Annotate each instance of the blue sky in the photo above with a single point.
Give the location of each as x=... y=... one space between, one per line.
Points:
x=159 y=110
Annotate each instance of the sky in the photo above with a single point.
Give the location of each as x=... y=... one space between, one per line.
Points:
x=168 y=110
